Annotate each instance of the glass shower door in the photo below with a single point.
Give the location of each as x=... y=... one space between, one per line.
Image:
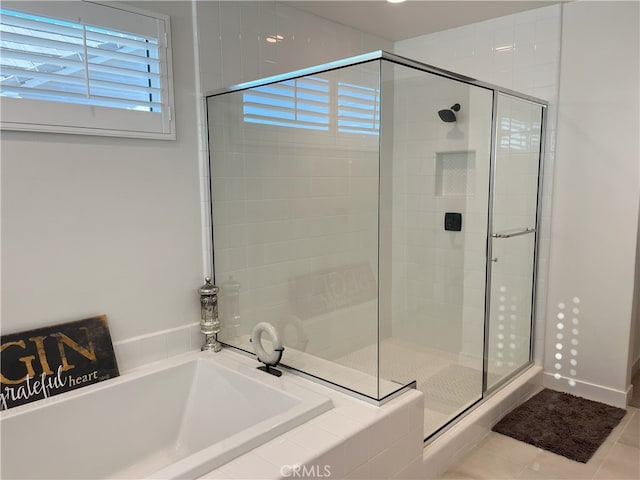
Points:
x=435 y=147
x=513 y=237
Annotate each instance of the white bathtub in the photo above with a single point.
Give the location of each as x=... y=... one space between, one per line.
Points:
x=179 y=418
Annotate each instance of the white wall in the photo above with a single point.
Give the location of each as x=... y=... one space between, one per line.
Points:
x=96 y=225
x=634 y=361
x=596 y=192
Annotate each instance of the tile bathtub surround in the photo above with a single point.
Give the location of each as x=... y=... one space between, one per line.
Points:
x=137 y=351
x=360 y=441
x=353 y=440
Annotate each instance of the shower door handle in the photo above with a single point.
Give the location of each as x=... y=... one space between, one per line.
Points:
x=517 y=233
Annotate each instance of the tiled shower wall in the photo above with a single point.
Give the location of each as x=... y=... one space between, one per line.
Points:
x=295 y=211
x=235 y=44
x=295 y=223
x=438 y=167
x=520 y=52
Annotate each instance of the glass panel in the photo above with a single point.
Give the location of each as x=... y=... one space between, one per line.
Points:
x=295 y=179
x=350 y=210
x=433 y=234
x=510 y=319
x=513 y=244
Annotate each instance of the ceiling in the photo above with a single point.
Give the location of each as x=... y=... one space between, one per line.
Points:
x=414 y=17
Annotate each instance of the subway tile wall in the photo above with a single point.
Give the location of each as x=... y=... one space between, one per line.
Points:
x=520 y=52
x=235 y=43
x=283 y=212
x=295 y=218
x=438 y=167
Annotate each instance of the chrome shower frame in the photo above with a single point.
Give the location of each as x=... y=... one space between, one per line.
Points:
x=496 y=91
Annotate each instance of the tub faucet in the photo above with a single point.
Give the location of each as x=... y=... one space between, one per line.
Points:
x=209 y=321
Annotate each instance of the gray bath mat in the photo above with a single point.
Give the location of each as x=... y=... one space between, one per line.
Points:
x=561 y=423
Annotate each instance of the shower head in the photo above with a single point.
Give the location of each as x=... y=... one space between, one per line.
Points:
x=448 y=115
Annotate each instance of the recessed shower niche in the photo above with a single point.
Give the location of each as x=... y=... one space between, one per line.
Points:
x=455 y=173
x=328 y=190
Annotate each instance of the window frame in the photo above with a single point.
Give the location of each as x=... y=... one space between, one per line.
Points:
x=22 y=114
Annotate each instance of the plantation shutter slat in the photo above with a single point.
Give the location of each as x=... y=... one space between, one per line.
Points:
x=299 y=103
x=358 y=109
x=80 y=98
x=307 y=103
x=65 y=62
x=73 y=80
x=44 y=58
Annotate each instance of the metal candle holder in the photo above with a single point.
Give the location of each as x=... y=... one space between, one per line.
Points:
x=209 y=321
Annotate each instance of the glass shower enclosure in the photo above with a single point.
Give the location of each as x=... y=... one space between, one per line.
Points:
x=382 y=214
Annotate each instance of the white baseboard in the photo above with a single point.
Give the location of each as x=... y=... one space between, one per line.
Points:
x=590 y=391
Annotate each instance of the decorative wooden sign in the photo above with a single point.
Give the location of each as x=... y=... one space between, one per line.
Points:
x=40 y=363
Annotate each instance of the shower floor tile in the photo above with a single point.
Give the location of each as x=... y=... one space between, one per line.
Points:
x=450 y=382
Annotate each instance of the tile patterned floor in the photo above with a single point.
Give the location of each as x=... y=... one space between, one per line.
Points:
x=451 y=382
x=501 y=457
